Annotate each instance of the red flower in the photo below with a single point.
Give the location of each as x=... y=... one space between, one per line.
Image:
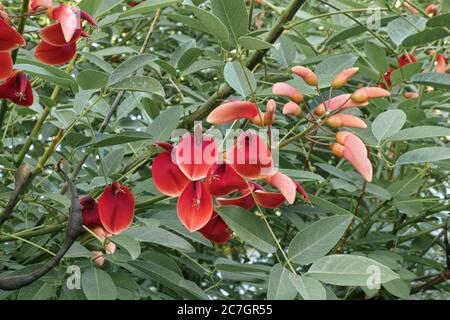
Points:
x=216 y=230
x=116 y=208
x=406 y=59
x=58 y=45
x=222 y=180
x=17 y=89
x=10 y=40
x=89 y=206
x=403 y=60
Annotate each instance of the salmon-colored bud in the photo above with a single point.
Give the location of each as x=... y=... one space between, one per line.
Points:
x=98 y=258
x=116 y=208
x=231 y=111
x=364 y=94
x=267 y=117
x=195 y=206
x=110 y=247
x=411 y=95
x=284 y=90
x=320 y=110
x=306 y=74
x=343 y=77
x=342 y=101
x=441 y=64
x=345 y=120
x=89 y=206
x=341 y=135
x=337 y=149
x=285 y=184
x=291 y=108
x=432 y=10
x=216 y=230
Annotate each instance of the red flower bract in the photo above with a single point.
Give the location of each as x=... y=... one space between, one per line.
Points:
x=53 y=55
x=17 y=89
x=195 y=206
x=168 y=178
x=89 y=206
x=6 y=65
x=195 y=155
x=10 y=39
x=216 y=230
x=116 y=208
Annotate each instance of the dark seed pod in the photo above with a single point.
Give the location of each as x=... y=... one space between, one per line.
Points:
x=74 y=229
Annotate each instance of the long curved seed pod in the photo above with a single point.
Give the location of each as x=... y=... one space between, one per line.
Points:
x=74 y=229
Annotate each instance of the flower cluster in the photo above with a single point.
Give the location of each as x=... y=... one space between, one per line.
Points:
x=194 y=171
x=58 y=46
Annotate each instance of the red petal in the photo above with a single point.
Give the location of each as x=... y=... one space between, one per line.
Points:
x=116 y=208
x=167 y=177
x=17 y=89
x=10 y=39
x=250 y=156
x=222 y=180
x=53 y=55
x=87 y=17
x=53 y=35
x=269 y=200
x=195 y=206
x=69 y=20
x=246 y=201
x=302 y=191
x=6 y=65
x=195 y=155
x=216 y=230
x=91 y=219
x=285 y=184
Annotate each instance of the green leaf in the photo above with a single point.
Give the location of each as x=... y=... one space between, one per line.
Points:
x=399 y=288
x=377 y=57
x=325 y=204
x=147 y=7
x=317 y=239
x=128 y=243
x=248 y=227
x=280 y=286
x=167 y=277
x=242 y=83
x=38 y=290
x=442 y=20
x=98 y=285
x=428 y=154
x=139 y=83
x=388 y=123
x=213 y=24
x=351 y=270
x=254 y=43
x=335 y=64
x=121 y=138
x=401 y=28
x=128 y=67
x=97 y=8
x=92 y=79
x=355 y=30
x=420 y=132
x=425 y=37
x=234 y=16
x=284 y=51
x=159 y=236
x=433 y=79
x=302 y=175
x=403 y=74
x=48 y=73
x=309 y=288
x=163 y=126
